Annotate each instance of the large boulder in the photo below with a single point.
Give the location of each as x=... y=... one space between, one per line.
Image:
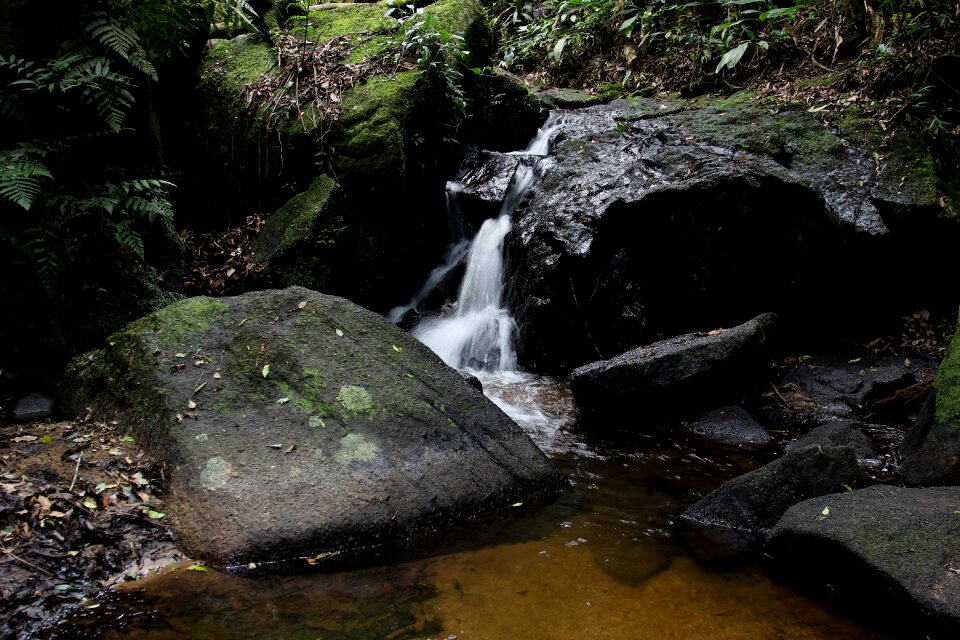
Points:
x=742 y=512
x=686 y=371
x=295 y=424
x=661 y=216
x=882 y=548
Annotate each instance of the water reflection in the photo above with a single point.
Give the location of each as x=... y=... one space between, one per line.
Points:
x=601 y=562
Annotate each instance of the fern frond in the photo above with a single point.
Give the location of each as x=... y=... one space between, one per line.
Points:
x=123 y=41
x=127 y=238
x=22 y=176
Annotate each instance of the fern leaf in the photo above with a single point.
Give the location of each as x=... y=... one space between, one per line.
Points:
x=22 y=177
x=127 y=238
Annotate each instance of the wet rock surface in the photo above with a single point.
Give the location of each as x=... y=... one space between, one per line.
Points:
x=297 y=424
x=689 y=369
x=659 y=215
x=732 y=426
x=742 y=512
x=879 y=547
x=843 y=433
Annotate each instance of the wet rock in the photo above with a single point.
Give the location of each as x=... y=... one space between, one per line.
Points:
x=297 y=424
x=880 y=548
x=33 y=406
x=842 y=433
x=730 y=426
x=567 y=98
x=832 y=386
x=742 y=512
x=662 y=216
x=935 y=461
x=685 y=371
x=931 y=451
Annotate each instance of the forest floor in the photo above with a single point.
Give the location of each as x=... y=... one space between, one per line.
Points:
x=81 y=509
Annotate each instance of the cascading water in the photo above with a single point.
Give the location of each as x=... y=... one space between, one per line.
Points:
x=478 y=334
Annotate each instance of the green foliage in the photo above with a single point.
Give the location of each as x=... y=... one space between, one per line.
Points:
x=439 y=54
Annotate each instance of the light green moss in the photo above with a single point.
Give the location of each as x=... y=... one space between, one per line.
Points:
x=216 y=473
x=354 y=402
x=373 y=31
x=238 y=63
x=948 y=383
x=355 y=448
x=175 y=325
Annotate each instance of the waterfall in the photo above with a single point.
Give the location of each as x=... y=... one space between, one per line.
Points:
x=478 y=333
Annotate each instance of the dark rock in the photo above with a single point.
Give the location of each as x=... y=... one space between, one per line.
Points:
x=936 y=461
x=842 y=433
x=741 y=513
x=931 y=451
x=731 y=426
x=651 y=221
x=881 y=548
x=295 y=423
x=833 y=386
x=566 y=98
x=34 y=406
x=472 y=380
x=692 y=369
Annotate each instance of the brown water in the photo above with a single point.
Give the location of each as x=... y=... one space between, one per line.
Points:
x=599 y=563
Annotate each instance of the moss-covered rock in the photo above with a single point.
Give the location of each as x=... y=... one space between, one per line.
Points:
x=295 y=424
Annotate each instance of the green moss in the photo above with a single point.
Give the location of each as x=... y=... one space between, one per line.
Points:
x=237 y=63
x=354 y=402
x=948 y=383
x=180 y=324
x=296 y=221
x=355 y=448
x=373 y=126
x=359 y=20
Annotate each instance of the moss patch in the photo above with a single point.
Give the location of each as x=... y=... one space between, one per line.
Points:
x=355 y=448
x=295 y=221
x=216 y=473
x=354 y=402
x=373 y=126
x=178 y=324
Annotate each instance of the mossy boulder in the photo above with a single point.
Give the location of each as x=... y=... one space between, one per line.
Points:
x=879 y=549
x=296 y=424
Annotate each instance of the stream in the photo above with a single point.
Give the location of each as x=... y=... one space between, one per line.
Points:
x=602 y=561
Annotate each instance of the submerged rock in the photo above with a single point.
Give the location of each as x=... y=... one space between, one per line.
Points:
x=685 y=371
x=881 y=548
x=296 y=424
x=742 y=512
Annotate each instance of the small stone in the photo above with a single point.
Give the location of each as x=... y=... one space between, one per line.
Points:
x=34 y=406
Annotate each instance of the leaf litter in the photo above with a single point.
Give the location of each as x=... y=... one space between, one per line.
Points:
x=81 y=510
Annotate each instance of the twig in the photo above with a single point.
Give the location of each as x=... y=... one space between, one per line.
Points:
x=76 y=471
x=29 y=564
x=782 y=399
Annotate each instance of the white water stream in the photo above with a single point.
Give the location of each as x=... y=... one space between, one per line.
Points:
x=478 y=334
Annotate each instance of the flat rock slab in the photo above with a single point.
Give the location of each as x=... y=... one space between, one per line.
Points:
x=296 y=424
x=880 y=547
x=33 y=406
x=688 y=369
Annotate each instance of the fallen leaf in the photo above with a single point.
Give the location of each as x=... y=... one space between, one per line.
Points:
x=198 y=567
x=128 y=439
x=826 y=511
x=275 y=446
x=266 y=370
x=397 y=349
x=283 y=400
x=291 y=448
x=340 y=332
x=47 y=439
x=179 y=355
x=155 y=515
x=301 y=304
x=24 y=439
x=191 y=404
x=90 y=503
